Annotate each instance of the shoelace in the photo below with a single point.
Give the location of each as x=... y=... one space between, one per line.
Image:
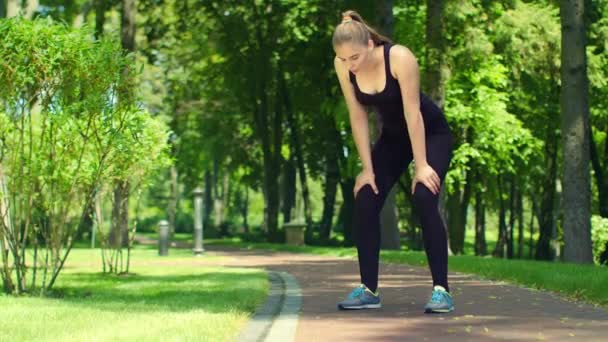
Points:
x=356 y=293
x=437 y=296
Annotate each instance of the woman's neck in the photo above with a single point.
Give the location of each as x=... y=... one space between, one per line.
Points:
x=375 y=60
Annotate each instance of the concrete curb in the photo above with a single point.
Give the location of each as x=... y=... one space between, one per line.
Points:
x=277 y=318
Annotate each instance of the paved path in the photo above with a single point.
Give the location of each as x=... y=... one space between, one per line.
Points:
x=485 y=310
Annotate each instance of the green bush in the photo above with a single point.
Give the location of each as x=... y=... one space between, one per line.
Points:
x=599 y=236
x=70 y=128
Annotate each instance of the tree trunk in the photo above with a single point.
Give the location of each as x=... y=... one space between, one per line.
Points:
x=100 y=17
x=5 y=227
x=531 y=240
x=225 y=200
x=386 y=20
x=208 y=208
x=245 y=211
x=272 y=166
x=499 y=249
x=389 y=237
x=172 y=210
x=511 y=226
x=12 y=8
x=30 y=7
x=435 y=61
x=216 y=195
x=120 y=215
x=121 y=192
x=87 y=222
x=414 y=230
x=268 y=135
x=575 y=130
x=480 y=225
x=80 y=15
x=296 y=144
x=457 y=205
x=332 y=178
x=289 y=188
x=544 y=250
x=127 y=25
x=520 y=224
x=456 y=229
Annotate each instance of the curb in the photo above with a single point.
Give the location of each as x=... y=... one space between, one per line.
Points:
x=277 y=318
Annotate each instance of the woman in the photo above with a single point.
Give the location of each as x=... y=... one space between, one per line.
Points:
x=374 y=72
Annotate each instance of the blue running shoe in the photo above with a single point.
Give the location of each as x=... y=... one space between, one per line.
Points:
x=361 y=298
x=441 y=301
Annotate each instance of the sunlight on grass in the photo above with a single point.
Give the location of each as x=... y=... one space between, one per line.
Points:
x=169 y=298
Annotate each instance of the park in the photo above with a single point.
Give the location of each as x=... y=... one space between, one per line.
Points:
x=198 y=170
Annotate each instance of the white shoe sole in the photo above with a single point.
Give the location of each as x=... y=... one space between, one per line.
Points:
x=359 y=307
x=439 y=310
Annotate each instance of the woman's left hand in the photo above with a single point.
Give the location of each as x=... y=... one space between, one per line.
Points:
x=427 y=176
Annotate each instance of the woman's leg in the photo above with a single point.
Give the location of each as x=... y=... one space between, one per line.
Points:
x=439 y=154
x=389 y=160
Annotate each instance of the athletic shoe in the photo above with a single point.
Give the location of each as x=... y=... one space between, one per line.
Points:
x=361 y=298
x=441 y=301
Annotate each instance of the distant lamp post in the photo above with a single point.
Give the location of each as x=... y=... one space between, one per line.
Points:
x=198 y=221
x=163 y=238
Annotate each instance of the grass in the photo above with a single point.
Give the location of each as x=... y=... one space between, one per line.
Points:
x=571 y=281
x=166 y=299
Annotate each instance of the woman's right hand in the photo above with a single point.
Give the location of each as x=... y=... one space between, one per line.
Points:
x=365 y=177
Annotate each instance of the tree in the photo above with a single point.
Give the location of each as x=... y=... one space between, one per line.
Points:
x=63 y=135
x=575 y=134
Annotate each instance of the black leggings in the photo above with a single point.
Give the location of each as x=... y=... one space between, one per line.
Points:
x=390 y=158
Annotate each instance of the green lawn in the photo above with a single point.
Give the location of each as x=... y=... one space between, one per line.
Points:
x=578 y=282
x=166 y=299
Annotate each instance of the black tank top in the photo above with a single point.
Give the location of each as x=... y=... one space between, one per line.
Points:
x=389 y=105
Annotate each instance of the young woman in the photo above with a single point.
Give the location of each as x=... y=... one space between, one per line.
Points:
x=375 y=73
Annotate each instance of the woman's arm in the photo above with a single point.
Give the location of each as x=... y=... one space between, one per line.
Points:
x=357 y=115
x=406 y=70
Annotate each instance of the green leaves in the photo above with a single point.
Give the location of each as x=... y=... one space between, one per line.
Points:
x=70 y=124
x=599 y=236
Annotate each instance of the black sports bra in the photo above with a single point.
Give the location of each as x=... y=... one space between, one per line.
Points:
x=389 y=104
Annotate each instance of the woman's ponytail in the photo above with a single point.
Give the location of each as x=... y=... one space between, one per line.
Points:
x=354 y=29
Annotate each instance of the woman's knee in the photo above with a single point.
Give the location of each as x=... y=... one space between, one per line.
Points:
x=366 y=200
x=423 y=197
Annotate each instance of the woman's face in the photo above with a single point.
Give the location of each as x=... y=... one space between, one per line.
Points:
x=355 y=56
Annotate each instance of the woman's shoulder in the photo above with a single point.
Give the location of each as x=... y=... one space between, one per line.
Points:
x=401 y=59
x=398 y=51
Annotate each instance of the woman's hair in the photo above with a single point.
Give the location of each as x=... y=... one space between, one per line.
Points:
x=354 y=29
